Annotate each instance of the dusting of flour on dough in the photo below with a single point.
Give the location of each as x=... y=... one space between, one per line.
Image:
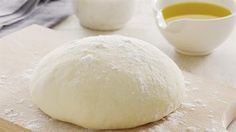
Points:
x=87 y=59
x=125 y=65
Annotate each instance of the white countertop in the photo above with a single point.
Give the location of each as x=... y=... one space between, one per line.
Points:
x=219 y=66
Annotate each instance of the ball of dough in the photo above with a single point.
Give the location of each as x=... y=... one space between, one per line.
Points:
x=107 y=82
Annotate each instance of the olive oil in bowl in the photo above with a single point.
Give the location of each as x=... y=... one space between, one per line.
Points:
x=196 y=27
x=194 y=10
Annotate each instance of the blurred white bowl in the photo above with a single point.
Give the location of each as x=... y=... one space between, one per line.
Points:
x=104 y=14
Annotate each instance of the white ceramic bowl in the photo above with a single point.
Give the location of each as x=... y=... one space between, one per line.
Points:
x=196 y=36
x=104 y=14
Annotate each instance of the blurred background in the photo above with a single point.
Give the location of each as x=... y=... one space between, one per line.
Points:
x=17 y=14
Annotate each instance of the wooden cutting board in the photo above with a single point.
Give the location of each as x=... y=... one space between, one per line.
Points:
x=204 y=109
x=6 y=126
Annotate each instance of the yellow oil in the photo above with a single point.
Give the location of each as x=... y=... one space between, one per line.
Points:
x=194 y=10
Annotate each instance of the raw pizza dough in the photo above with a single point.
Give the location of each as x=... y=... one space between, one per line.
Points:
x=107 y=82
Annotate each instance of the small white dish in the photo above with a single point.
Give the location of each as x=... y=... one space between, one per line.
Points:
x=104 y=14
x=196 y=36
